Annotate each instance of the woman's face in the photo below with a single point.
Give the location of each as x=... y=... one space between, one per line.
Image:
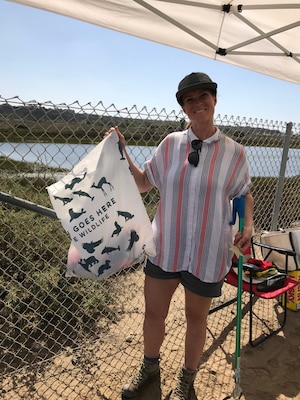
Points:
x=199 y=105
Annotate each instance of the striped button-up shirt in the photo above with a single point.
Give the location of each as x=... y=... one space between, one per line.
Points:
x=191 y=226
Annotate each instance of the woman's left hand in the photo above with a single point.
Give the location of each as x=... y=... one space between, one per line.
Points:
x=243 y=239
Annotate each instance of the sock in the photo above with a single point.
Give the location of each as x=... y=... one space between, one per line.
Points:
x=189 y=371
x=150 y=360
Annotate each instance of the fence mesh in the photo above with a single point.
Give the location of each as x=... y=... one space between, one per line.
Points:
x=66 y=338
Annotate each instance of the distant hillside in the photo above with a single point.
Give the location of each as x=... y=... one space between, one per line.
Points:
x=37 y=123
x=39 y=113
x=31 y=123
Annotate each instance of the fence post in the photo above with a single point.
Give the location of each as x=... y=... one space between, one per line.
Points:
x=28 y=205
x=286 y=145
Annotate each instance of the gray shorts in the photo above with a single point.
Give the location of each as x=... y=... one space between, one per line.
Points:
x=188 y=280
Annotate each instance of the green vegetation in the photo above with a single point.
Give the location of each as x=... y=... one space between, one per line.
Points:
x=35 y=295
x=11 y=166
x=264 y=191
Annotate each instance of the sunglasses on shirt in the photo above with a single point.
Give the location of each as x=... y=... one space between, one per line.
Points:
x=193 y=157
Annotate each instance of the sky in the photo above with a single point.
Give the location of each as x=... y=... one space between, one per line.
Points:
x=49 y=57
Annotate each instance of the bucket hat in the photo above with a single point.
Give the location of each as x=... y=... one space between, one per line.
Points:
x=195 y=80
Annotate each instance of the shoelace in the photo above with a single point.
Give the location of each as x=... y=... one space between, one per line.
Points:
x=142 y=374
x=183 y=386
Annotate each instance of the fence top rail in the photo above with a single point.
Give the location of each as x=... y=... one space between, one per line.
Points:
x=133 y=112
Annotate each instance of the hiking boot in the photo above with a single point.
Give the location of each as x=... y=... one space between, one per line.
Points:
x=147 y=374
x=184 y=387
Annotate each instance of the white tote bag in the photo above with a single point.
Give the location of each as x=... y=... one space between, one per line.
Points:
x=99 y=205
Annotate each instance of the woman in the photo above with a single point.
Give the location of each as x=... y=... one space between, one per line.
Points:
x=198 y=172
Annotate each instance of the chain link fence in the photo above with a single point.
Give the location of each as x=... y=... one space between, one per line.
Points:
x=66 y=338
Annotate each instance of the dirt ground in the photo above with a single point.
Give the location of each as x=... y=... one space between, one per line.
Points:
x=97 y=370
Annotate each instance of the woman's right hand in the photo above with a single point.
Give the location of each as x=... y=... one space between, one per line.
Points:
x=139 y=175
x=121 y=137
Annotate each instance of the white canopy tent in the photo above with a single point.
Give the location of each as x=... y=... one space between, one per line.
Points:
x=260 y=35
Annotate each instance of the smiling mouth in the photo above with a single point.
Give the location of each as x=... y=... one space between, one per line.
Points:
x=201 y=110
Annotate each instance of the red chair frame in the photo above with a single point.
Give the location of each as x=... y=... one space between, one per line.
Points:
x=250 y=288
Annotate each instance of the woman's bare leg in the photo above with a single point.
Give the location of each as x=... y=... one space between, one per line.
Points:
x=196 y=309
x=158 y=294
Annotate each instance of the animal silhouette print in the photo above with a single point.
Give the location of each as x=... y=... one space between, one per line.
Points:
x=125 y=214
x=121 y=150
x=75 y=215
x=104 y=267
x=87 y=263
x=90 y=247
x=107 y=250
x=117 y=231
x=100 y=185
x=75 y=181
x=65 y=200
x=134 y=237
x=81 y=193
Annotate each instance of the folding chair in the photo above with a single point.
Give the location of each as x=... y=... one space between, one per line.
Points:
x=255 y=295
x=288 y=239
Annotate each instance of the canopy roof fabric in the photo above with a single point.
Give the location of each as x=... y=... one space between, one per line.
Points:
x=260 y=35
